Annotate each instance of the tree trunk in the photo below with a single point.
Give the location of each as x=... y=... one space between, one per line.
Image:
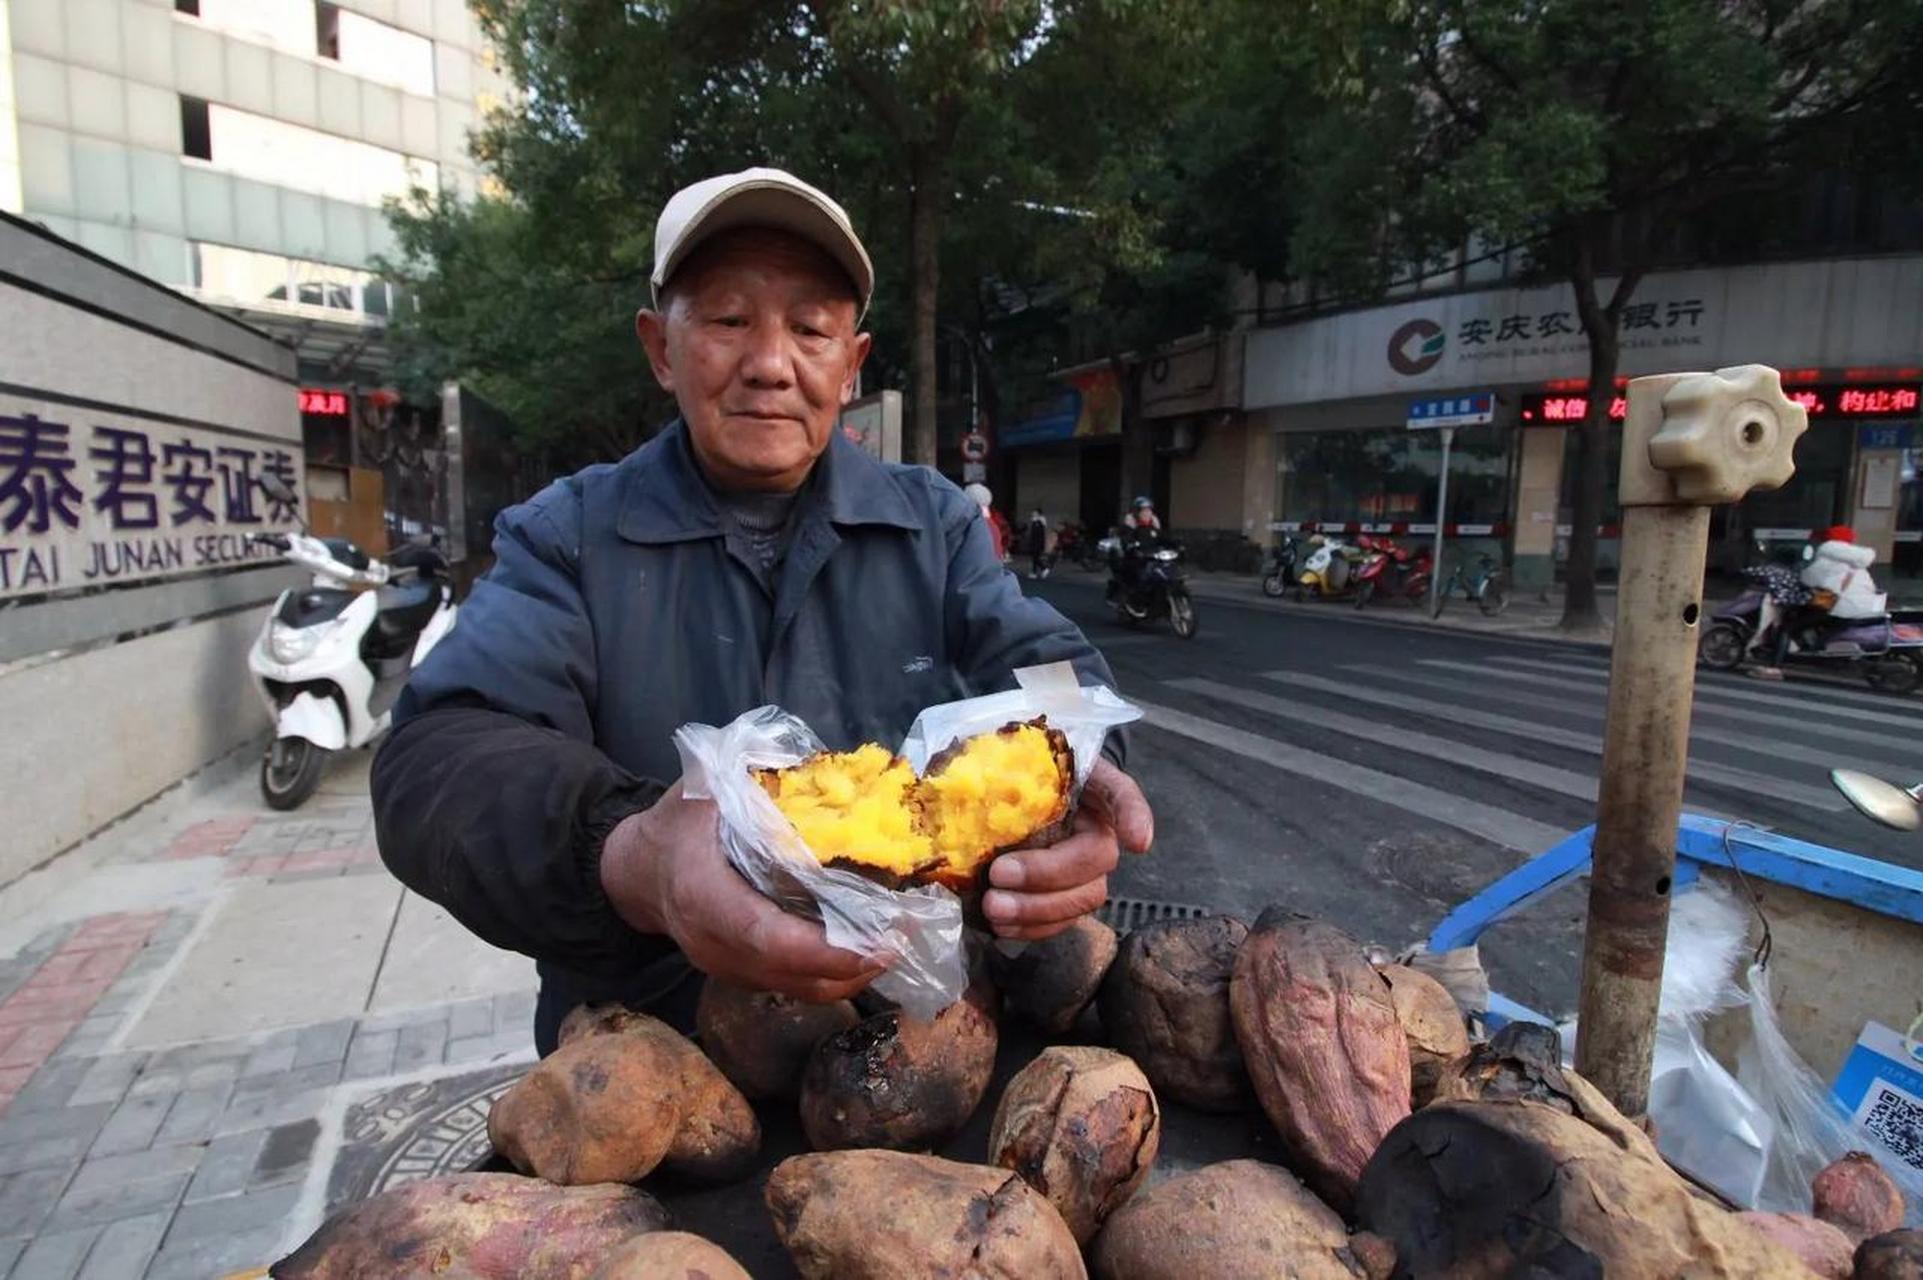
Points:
x=1579 y=610
x=924 y=257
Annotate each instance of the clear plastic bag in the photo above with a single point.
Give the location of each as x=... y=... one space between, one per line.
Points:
x=1812 y=1130
x=920 y=929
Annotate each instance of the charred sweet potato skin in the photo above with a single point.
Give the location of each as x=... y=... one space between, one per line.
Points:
x=1528 y=1188
x=886 y=1215
x=1080 y=1125
x=1238 y=1218
x=1327 y=1055
x=1894 y=1255
x=1165 y=1003
x=895 y=1082
x=761 y=1040
x=1854 y=1194
x=1049 y=983
x=623 y=1094
x=669 y=1255
x=480 y=1226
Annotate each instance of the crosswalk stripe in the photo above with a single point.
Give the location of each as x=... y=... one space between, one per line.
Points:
x=1803 y=723
x=1821 y=693
x=1716 y=689
x=1700 y=771
x=1589 y=702
x=1570 y=783
x=1497 y=825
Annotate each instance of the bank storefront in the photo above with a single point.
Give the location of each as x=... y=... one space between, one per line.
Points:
x=1847 y=334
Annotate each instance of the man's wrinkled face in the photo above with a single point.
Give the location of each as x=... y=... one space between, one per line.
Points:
x=756 y=339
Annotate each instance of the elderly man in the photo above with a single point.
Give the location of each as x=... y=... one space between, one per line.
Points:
x=747 y=555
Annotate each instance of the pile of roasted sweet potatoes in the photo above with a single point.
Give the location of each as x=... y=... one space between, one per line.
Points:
x=1406 y=1150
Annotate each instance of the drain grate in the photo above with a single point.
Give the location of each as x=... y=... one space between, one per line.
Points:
x=1124 y=914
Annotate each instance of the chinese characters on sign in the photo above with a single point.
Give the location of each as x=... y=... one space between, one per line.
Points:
x=330 y=404
x=84 y=503
x=1481 y=331
x=1870 y=400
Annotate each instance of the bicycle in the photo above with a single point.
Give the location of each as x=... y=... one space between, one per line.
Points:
x=1486 y=586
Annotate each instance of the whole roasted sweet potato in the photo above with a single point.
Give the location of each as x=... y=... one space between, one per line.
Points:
x=760 y=1040
x=898 y=1082
x=1473 y=1190
x=669 y=1255
x=1049 y=983
x=1239 y=1218
x=1894 y=1255
x=1165 y=1003
x=887 y=1215
x=1432 y=1023
x=1081 y=1126
x=1855 y=1195
x=479 y=1226
x=624 y=1093
x=1320 y=1036
x=1821 y=1247
x=1521 y=1063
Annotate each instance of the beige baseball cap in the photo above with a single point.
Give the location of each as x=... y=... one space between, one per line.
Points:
x=758 y=198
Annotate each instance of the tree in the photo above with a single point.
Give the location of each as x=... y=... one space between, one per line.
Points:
x=1593 y=135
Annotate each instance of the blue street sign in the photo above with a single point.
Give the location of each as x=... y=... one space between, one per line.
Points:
x=1453 y=411
x=1887 y=435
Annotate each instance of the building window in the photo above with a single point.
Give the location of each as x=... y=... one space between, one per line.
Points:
x=301 y=159
x=373 y=50
x=196 y=136
x=242 y=277
x=327 y=30
x=189 y=7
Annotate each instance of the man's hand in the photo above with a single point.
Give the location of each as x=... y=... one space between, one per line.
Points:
x=664 y=872
x=1038 y=893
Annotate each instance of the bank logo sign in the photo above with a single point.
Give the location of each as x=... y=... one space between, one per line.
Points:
x=1416 y=347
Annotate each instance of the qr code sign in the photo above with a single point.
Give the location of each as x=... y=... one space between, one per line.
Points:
x=1895 y=1119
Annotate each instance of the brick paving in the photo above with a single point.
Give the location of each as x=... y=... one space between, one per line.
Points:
x=202 y=1160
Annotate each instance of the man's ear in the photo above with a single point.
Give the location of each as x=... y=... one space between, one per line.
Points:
x=652 y=328
x=863 y=341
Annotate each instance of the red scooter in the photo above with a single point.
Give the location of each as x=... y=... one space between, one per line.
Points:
x=1393 y=570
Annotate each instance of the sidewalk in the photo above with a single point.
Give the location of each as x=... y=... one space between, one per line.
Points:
x=218 y=1021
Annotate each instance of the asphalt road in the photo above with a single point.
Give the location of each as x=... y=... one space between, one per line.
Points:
x=1378 y=775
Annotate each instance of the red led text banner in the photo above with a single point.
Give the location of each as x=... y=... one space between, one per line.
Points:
x=1858 y=400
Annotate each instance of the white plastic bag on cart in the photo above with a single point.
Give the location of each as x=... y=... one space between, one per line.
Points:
x=1812 y=1130
x=1706 y=1124
x=919 y=929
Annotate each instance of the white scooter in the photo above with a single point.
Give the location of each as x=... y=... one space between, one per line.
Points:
x=331 y=660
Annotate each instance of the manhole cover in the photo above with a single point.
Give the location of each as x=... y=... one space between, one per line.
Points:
x=415 y=1131
x=1124 y=914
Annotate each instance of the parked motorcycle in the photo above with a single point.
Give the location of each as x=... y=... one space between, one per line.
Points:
x=1328 y=572
x=1279 y=575
x=1393 y=570
x=1146 y=582
x=330 y=660
x=1887 y=650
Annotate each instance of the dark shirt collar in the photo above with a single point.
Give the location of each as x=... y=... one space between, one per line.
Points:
x=665 y=499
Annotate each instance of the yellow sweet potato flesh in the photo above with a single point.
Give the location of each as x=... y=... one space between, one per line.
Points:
x=866 y=810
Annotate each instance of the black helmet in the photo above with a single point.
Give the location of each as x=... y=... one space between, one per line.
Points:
x=1140 y=502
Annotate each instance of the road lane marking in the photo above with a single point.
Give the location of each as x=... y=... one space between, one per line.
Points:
x=1803 y=724
x=1898 y=757
x=1744 y=780
x=1718 y=689
x=1496 y=825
